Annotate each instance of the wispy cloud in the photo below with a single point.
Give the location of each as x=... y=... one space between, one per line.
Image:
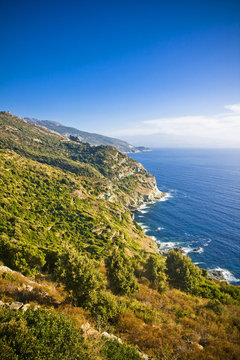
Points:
x=224 y=126
x=233 y=107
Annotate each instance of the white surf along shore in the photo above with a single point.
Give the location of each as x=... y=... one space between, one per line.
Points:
x=216 y=273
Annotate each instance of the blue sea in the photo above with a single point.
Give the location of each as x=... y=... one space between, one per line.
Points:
x=202 y=208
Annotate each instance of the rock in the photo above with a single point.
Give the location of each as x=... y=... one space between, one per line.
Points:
x=88 y=330
x=163 y=252
x=111 y=337
x=216 y=275
x=180 y=249
x=197 y=249
x=6 y=269
x=15 y=306
x=143 y=356
x=85 y=327
x=29 y=288
x=25 y=307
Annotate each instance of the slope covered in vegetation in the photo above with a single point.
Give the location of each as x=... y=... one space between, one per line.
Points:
x=79 y=279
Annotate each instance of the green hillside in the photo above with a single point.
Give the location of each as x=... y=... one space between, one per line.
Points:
x=78 y=277
x=57 y=191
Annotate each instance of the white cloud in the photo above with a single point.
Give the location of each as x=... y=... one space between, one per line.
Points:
x=224 y=127
x=233 y=107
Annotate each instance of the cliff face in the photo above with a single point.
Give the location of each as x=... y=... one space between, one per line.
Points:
x=145 y=190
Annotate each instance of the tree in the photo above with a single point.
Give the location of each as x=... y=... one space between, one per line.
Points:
x=79 y=274
x=106 y=309
x=120 y=272
x=20 y=256
x=155 y=272
x=183 y=274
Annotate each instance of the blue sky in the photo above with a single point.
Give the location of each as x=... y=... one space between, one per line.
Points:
x=161 y=73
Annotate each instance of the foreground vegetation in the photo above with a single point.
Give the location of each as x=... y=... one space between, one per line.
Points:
x=86 y=269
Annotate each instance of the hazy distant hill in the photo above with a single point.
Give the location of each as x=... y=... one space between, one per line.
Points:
x=86 y=137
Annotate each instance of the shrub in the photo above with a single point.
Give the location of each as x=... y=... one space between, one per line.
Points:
x=115 y=351
x=79 y=275
x=215 y=305
x=183 y=274
x=7 y=276
x=155 y=272
x=179 y=312
x=120 y=272
x=39 y=335
x=106 y=309
x=7 y=353
x=22 y=257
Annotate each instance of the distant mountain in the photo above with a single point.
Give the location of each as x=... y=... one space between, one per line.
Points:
x=86 y=137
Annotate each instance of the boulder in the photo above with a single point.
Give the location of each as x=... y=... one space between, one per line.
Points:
x=111 y=337
x=15 y=305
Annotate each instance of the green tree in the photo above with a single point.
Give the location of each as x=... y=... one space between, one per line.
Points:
x=183 y=274
x=106 y=309
x=120 y=272
x=20 y=256
x=79 y=275
x=155 y=272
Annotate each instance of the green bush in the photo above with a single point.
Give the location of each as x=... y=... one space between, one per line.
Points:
x=215 y=305
x=106 y=309
x=19 y=256
x=120 y=272
x=7 y=276
x=79 y=275
x=209 y=290
x=183 y=274
x=179 y=312
x=39 y=335
x=155 y=272
x=231 y=290
x=115 y=351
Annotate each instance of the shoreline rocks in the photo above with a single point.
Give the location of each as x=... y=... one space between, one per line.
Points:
x=216 y=275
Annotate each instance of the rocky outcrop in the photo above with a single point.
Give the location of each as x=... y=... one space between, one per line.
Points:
x=144 y=187
x=89 y=331
x=26 y=290
x=131 y=177
x=216 y=275
x=16 y=305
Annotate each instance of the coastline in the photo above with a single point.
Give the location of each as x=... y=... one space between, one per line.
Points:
x=216 y=273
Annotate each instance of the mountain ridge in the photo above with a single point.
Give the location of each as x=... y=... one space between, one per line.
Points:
x=87 y=137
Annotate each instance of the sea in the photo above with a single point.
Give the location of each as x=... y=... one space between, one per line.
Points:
x=201 y=209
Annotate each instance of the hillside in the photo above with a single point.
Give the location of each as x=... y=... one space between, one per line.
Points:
x=64 y=185
x=79 y=279
x=86 y=137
